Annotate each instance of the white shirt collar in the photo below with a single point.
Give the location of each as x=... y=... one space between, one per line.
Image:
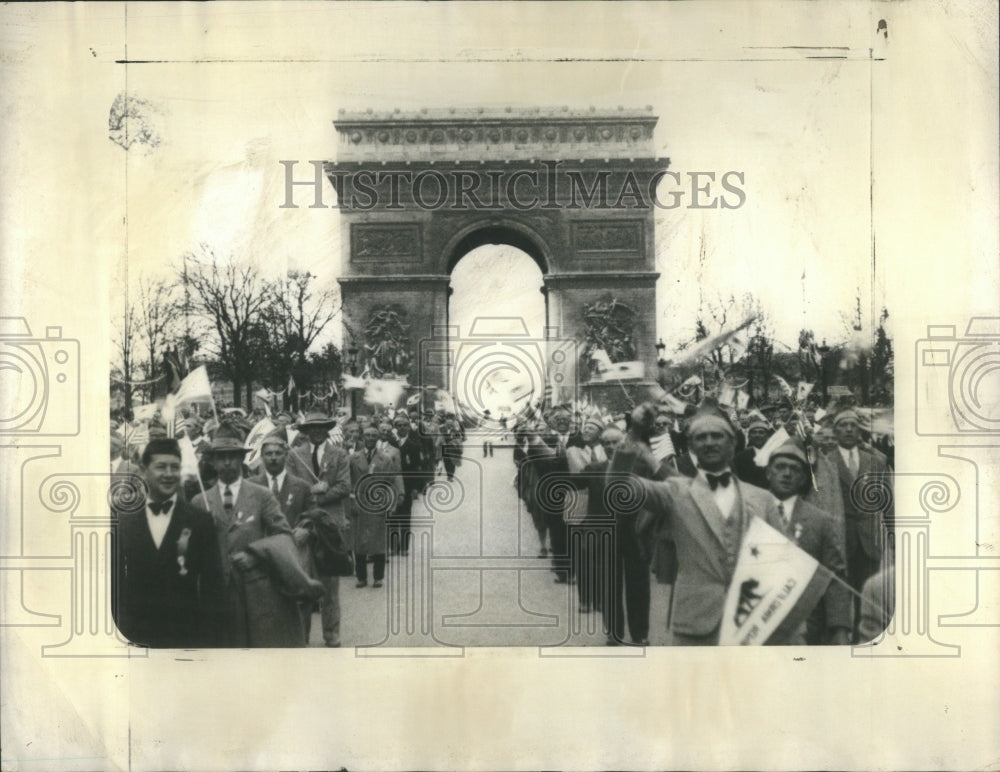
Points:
x=788 y=505
x=234 y=487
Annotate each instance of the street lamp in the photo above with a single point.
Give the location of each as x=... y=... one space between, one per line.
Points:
x=352 y=366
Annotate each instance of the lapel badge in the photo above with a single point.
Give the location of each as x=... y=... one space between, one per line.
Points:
x=182 y=547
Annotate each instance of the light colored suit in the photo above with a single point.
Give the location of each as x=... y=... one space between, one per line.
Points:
x=707 y=544
x=369 y=525
x=255 y=514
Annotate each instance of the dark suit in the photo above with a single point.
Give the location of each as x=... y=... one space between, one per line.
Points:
x=412 y=462
x=864 y=525
x=553 y=470
x=158 y=602
x=816 y=532
x=629 y=590
x=707 y=547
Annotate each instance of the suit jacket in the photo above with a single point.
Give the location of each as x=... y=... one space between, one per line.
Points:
x=827 y=495
x=684 y=464
x=816 y=533
x=157 y=601
x=689 y=516
x=864 y=525
x=255 y=514
x=333 y=470
x=294 y=496
x=413 y=463
x=370 y=505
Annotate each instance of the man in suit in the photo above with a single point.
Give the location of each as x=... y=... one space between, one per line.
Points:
x=412 y=463
x=245 y=512
x=629 y=590
x=864 y=524
x=814 y=531
x=547 y=452
x=370 y=470
x=293 y=496
x=330 y=489
x=707 y=517
x=168 y=575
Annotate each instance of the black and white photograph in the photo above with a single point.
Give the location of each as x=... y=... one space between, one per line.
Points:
x=549 y=373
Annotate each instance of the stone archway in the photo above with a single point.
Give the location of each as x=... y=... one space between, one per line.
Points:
x=576 y=191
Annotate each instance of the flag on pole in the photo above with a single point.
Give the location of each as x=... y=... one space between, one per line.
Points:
x=194 y=387
x=705 y=347
x=775 y=587
x=353 y=382
x=144 y=412
x=742 y=400
x=189 y=458
x=254 y=439
x=803 y=391
x=727 y=395
x=382 y=391
x=785 y=388
x=291 y=385
x=662 y=446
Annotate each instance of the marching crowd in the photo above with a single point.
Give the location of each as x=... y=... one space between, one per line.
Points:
x=239 y=546
x=672 y=494
x=221 y=540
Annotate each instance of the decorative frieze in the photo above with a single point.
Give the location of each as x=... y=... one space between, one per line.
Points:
x=385 y=242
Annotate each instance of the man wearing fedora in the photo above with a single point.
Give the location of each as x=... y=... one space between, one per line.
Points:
x=707 y=517
x=815 y=532
x=245 y=512
x=866 y=516
x=328 y=472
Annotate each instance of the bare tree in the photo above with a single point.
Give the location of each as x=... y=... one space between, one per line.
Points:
x=295 y=317
x=124 y=348
x=231 y=298
x=156 y=322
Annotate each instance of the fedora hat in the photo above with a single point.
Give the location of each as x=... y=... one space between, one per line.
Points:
x=227 y=440
x=316 y=419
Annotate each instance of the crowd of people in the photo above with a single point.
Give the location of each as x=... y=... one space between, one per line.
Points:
x=224 y=542
x=815 y=475
x=229 y=536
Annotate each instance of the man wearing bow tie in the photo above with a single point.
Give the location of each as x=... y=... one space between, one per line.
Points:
x=168 y=575
x=706 y=517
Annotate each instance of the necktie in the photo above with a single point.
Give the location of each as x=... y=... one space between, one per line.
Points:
x=274 y=487
x=781 y=510
x=227 y=499
x=316 y=460
x=715 y=480
x=853 y=456
x=160 y=507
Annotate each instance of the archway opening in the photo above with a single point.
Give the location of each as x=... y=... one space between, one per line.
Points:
x=497 y=319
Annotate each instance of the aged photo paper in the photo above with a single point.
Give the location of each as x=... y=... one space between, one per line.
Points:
x=809 y=164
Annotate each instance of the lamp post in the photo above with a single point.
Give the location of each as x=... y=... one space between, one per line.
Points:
x=352 y=366
x=661 y=363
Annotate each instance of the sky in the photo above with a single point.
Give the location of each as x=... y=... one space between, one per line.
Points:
x=797 y=131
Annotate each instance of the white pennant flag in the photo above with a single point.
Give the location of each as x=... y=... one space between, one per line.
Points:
x=774 y=442
x=775 y=586
x=194 y=387
x=381 y=391
x=803 y=391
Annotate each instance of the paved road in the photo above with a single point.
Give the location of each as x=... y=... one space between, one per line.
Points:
x=473 y=576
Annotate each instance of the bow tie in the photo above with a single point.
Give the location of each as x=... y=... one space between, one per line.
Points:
x=160 y=507
x=715 y=480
